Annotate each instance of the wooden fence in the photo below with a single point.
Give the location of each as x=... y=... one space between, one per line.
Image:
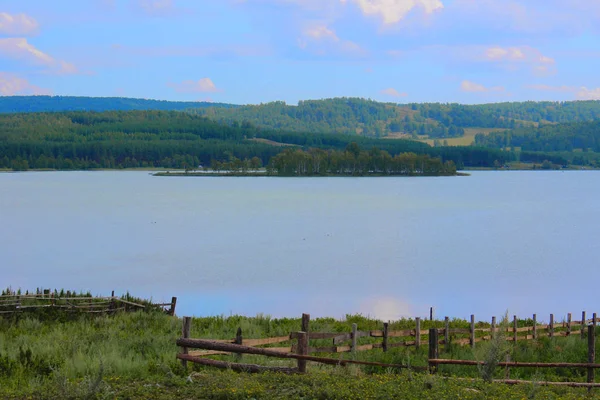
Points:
x=300 y=349
x=13 y=303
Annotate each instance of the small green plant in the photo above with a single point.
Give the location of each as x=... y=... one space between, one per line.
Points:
x=495 y=351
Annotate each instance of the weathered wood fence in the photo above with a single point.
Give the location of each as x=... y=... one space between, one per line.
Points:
x=591 y=365
x=71 y=302
x=239 y=346
x=300 y=350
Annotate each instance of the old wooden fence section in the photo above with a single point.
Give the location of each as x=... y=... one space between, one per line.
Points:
x=70 y=302
x=300 y=349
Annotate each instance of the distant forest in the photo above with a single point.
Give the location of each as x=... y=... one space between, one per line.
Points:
x=373 y=119
x=170 y=139
x=348 y=116
x=18 y=104
x=584 y=136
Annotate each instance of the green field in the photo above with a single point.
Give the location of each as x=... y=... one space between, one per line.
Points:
x=466 y=140
x=133 y=356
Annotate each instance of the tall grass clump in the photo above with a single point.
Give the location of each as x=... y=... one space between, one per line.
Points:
x=495 y=351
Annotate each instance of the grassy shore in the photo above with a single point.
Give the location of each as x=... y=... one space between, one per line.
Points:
x=133 y=356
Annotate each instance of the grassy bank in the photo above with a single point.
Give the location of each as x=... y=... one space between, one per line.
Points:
x=133 y=356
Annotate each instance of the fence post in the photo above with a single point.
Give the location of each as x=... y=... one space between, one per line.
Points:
x=433 y=348
x=515 y=328
x=431 y=313
x=238 y=340
x=534 y=326
x=173 y=303
x=493 y=327
x=551 y=326
x=418 y=333
x=583 y=324
x=305 y=324
x=472 y=333
x=591 y=352
x=446 y=331
x=354 y=338
x=569 y=324
x=185 y=333
x=385 y=336
x=302 y=350
x=594 y=319
x=112 y=301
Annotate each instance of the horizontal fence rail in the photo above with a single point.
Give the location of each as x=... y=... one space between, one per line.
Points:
x=297 y=346
x=14 y=303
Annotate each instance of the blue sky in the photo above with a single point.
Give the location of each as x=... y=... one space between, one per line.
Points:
x=253 y=51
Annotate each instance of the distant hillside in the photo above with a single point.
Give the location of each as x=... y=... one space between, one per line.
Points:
x=171 y=139
x=428 y=120
x=574 y=136
x=18 y=104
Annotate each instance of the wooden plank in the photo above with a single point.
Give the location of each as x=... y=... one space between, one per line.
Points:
x=202 y=353
x=433 y=349
x=342 y=338
x=459 y=330
x=591 y=352
x=418 y=332
x=302 y=350
x=364 y=347
x=354 y=337
x=260 y=342
x=472 y=333
x=404 y=333
x=318 y=335
x=384 y=344
x=185 y=333
x=211 y=345
x=235 y=366
x=446 y=330
x=516 y=364
x=583 y=325
x=130 y=303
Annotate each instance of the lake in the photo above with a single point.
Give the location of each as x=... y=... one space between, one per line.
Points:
x=522 y=242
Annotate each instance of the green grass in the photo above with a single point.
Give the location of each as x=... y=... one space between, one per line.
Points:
x=466 y=140
x=132 y=355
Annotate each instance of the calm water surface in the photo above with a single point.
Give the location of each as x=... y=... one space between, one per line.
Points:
x=388 y=247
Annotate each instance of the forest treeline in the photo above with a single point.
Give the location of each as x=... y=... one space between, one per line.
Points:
x=354 y=161
x=19 y=104
x=583 y=136
x=349 y=116
x=374 y=119
x=170 y=139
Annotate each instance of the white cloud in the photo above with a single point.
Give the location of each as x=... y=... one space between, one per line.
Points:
x=517 y=54
x=393 y=92
x=469 y=86
x=21 y=49
x=510 y=57
x=588 y=94
x=579 y=92
x=18 y=24
x=393 y=11
x=321 y=40
x=204 y=85
x=11 y=85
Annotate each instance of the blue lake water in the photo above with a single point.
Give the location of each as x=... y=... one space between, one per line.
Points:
x=526 y=242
